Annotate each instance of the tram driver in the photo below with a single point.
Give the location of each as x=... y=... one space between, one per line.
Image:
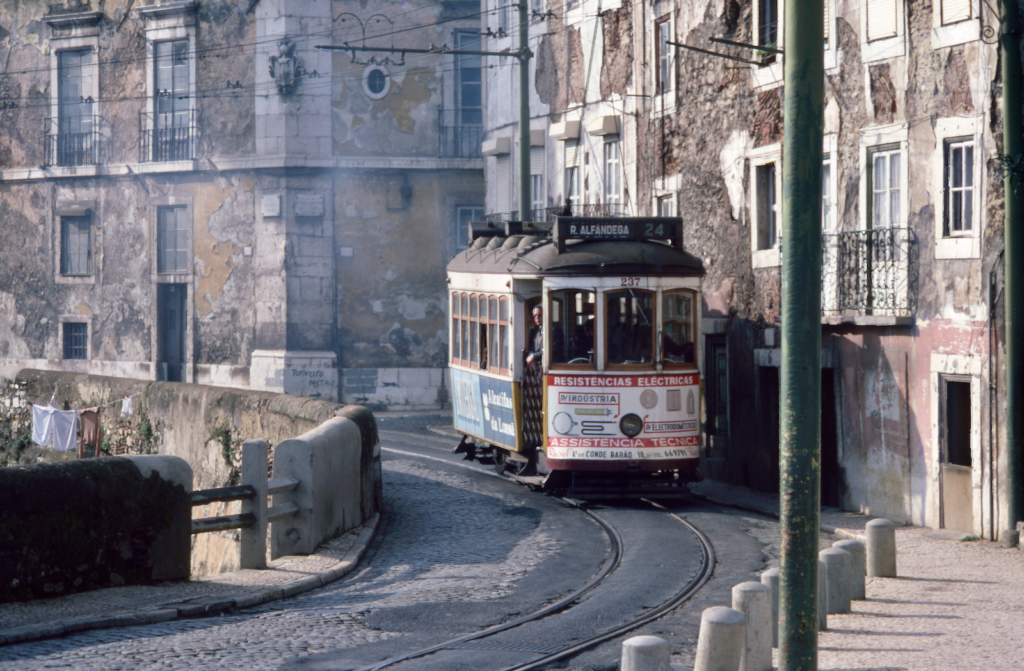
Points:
x=535 y=355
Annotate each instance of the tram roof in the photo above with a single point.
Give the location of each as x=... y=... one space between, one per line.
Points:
x=539 y=255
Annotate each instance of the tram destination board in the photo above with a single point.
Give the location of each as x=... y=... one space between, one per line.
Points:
x=633 y=229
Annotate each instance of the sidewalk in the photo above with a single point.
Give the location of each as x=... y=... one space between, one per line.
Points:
x=150 y=604
x=955 y=605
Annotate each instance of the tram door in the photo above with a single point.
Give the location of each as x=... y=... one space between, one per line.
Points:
x=533 y=385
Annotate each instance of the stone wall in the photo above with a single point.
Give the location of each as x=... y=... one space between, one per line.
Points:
x=203 y=425
x=92 y=523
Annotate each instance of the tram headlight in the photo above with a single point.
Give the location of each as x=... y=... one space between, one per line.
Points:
x=631 y=425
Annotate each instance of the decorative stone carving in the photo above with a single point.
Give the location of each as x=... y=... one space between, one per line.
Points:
x=286 y=68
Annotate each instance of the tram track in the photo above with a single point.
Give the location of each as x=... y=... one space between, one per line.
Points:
x=479 y=640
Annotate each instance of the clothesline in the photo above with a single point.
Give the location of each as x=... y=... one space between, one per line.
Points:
x=58 y=428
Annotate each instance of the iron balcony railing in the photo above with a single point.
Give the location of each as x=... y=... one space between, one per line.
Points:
x=71 y=140
x=169 y=136
x=870 y=273
x=549 y=213
x=455 y=137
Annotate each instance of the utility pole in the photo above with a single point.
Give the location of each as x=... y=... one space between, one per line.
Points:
x=524 y=113
x=1013 y=176
x=523 y=55
x=800 y=411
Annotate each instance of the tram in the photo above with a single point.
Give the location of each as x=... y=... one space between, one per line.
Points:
x=574 y=354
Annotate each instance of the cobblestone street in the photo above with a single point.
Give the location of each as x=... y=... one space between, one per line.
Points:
x=445 y=538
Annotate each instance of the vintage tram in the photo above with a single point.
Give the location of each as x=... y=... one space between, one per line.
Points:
x=574 y=354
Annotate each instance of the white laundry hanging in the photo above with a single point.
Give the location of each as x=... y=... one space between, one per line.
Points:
x=65 y=430
x=42 y=424
x=126 y=406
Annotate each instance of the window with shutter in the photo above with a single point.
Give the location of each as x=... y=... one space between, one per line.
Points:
x=954 y=11
x=881 y=19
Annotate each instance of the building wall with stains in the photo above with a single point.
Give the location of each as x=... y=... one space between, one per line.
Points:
x=290 y=172
x=700 y=135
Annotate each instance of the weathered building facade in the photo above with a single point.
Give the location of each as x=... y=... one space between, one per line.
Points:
x=192 y=191
x=625 y=122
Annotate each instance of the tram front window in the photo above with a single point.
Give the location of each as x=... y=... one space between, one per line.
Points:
x=678 y=323
x=572 y=327
x=630 y=326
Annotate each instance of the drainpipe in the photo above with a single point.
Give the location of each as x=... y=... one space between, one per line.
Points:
x=1009 y=41
x=800 y=416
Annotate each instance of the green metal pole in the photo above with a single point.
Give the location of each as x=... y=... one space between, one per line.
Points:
x=800 y=411
x=1013 y=147
x=524 y=112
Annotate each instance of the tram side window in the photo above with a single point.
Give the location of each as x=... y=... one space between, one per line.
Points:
x=630 y=326
x=677 y=309
x=572 y=326
x=480 y=332
x=456 y=328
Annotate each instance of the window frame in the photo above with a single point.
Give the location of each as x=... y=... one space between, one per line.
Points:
x=480 y=330
x=170 y=23
x=603 y=297
x=955 y=32
x=766 y=257
x=65 y=220
x=888 y=151
x=612 y=170
x=475 y=213
x=659 y=353
x=949 y=190
x=86 y=347
x=881 y=48
x=464 y=39
x=954 y=129
x=552 y=296
x=155 y=206
x=769 y=75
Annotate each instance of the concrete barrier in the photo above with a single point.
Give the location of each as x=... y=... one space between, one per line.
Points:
x=754 y=600
x=770 y=578
x=721 y=641
x=881 y=549
x=838 y=565
x=328 y=463
x=645 y=653
x=822 y=595
x=857 y=569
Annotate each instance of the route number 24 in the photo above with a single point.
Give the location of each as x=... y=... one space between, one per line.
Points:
x=630 y=282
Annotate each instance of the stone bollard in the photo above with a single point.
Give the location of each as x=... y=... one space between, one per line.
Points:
x=771 y=579
x=754 y=600
x=822 y=595
x=721 y=640
x=837 y=563
x=857 y=572
x=881 y=550
x=645 y=653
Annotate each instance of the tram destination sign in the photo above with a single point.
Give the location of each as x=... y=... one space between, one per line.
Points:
x=634 y=229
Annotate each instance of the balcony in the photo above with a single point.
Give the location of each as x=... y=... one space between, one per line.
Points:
x=167 y=136
x=869 y=277
x=456 y=139
x=71 y=140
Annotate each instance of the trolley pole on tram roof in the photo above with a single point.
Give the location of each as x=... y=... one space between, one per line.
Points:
x=800 y=411
x=523 y=55
x=1010 y=27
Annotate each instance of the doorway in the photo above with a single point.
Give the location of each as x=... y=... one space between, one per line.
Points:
x=956 y=510
x=768 y=383
x=171 y=326
x=830 y=482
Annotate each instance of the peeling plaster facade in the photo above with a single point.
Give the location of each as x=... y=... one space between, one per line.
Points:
x=246 y=211
x=701 y=136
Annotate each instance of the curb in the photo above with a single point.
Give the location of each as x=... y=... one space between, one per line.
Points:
x=204 y=608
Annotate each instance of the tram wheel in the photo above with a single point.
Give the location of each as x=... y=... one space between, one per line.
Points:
x=499 y=461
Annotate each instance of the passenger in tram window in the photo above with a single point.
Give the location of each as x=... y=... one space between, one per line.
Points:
x=535 y=355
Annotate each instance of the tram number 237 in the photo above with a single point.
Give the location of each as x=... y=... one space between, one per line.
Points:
x=629 y=281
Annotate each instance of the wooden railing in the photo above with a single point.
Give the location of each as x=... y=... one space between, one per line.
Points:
x=256 y=515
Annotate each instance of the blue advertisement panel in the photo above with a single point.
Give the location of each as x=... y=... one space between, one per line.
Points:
x=483 y=407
